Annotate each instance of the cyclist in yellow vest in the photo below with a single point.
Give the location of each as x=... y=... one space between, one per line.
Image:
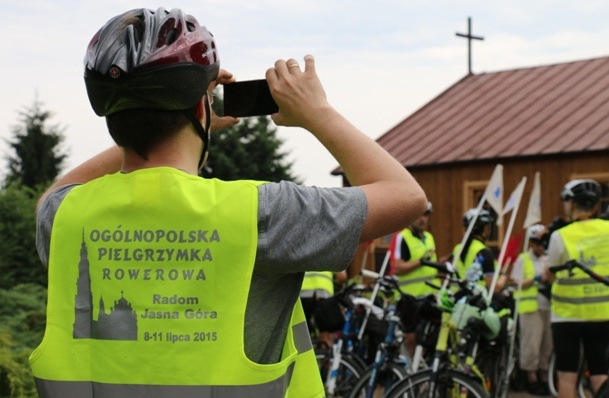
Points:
x=477 y=261
x=323 y=314
x=411 y=246
x=165 y=284
x=534 y=312
x=580 y=306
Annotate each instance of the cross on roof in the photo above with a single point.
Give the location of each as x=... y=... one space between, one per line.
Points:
x=469 y=38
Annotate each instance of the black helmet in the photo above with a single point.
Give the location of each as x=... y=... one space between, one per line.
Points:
x=585 y=192
x=145 y=59
x=484 y=217
x=166 y=61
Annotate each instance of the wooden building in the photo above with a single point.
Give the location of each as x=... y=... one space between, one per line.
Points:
x=550 y=119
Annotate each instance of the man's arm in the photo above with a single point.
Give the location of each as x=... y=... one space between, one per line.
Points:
x=517 y=273
x=394 y=198
x=557 y=255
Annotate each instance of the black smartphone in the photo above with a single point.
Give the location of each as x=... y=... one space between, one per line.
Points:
x=248 y=98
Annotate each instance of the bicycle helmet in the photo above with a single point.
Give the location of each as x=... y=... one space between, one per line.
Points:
x=536 y=231
x=146 y=59
x=585 y=192
x=485 y=217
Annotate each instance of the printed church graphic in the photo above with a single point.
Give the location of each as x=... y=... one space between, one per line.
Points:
x=119 y=324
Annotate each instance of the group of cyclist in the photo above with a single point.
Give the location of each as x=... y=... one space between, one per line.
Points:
x=558 y=312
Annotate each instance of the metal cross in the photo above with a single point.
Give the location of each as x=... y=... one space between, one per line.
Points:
x=469 y=38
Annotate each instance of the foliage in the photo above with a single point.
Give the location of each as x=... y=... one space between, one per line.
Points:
x=249 y=150
x=36 y=159
x=19 y=262
x=22 y=316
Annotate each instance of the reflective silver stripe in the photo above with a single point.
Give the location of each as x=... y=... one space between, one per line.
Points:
x=414 y=280
x=581 y=300
x=83 y=389
x=319 y=293
x=528 y=298
x=576 y=281
x=302 y=338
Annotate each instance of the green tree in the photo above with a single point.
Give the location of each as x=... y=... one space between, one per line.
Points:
x=22 y=322
x=19 y=262
x=36 y=157
x=249 y=150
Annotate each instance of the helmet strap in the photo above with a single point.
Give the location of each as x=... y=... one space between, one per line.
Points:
x=203 y=132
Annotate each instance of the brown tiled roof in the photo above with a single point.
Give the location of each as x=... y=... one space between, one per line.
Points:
x=523 y=112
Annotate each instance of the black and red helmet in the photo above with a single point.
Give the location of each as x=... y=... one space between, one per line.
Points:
x=145 y=59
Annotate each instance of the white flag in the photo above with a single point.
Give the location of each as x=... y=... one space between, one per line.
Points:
x=494 y=192
x=514 y=197
x=534 y=210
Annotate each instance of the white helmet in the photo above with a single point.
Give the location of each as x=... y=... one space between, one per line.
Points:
x=535 y=231
x=429 y=207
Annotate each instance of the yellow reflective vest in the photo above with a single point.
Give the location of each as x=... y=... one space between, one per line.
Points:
x=319 y=280
x=579 y=296
x=470 y=258
x=414 y=281
x=149 y=275
x=528 y=296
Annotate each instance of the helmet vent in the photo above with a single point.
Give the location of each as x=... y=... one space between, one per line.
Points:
x=172 y=36
x=190 y=26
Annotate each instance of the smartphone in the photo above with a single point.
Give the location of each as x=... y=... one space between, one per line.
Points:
x=248 y=98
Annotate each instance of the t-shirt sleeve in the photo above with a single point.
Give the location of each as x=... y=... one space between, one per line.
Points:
x=44 y=221
x=557 y=253
x=405 y=255
x=304 y=228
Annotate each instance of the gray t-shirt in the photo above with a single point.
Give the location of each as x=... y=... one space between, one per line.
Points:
x=299 y=229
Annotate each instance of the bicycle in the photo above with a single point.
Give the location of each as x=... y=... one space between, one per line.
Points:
x=603 y=391
x=465 y=320
x=364 y=324
x=390 y=364
x=341 y=364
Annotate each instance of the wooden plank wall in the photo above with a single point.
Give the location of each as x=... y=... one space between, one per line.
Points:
x=444 y=186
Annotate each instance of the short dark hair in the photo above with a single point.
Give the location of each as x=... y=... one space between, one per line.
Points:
x=584 y=204
x=142 y=129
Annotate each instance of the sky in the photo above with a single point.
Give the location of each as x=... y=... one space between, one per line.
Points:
x=379 y=61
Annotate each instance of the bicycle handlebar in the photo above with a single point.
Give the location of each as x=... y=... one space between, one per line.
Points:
x=386 y=281
x=442 y=267
x=571 y=264
x=370 y=274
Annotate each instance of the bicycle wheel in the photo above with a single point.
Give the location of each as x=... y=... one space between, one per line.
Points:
x=388 y=374
x=348 y=372
x=448 y=383
x=494 y=363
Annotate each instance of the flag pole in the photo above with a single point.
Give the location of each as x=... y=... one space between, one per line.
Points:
x=498 y=172
x=520 y=190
